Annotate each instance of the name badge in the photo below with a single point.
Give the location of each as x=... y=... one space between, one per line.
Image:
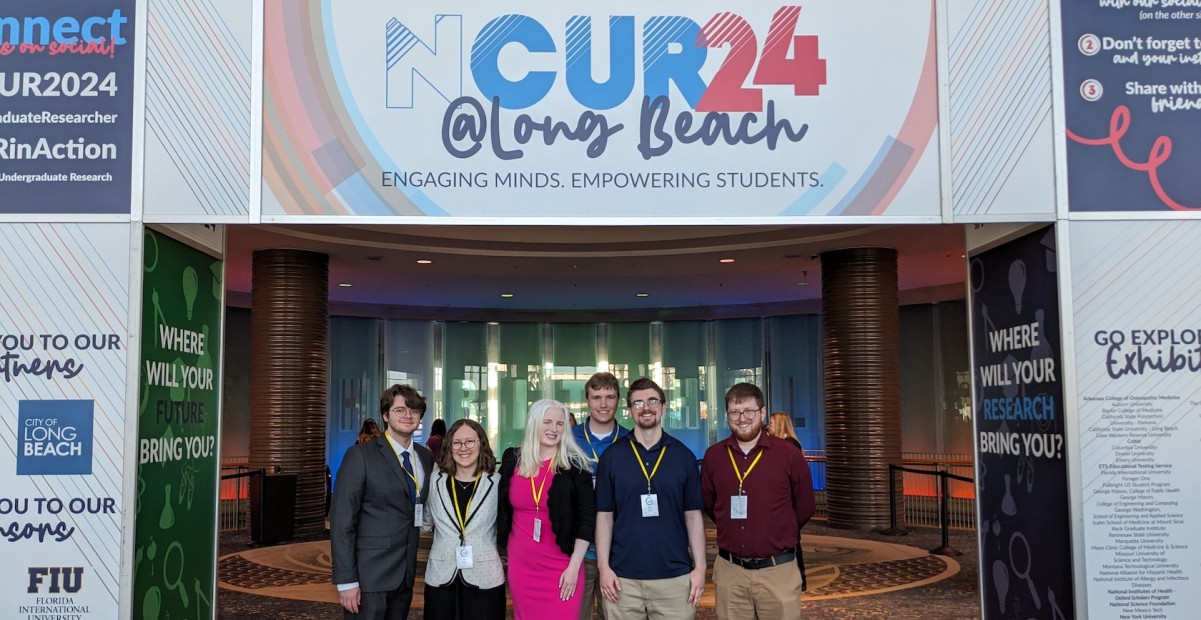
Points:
x=463 y=558
x=537 y=530
x=418 y=515
x=650 y=505
x=737 y=506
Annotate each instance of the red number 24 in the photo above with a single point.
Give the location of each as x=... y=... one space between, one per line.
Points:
x=805 y=71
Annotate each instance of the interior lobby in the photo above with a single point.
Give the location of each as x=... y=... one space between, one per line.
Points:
x=486 y=320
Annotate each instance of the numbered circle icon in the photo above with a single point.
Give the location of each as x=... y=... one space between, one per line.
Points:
x=1089 y=44
x=1091 y=90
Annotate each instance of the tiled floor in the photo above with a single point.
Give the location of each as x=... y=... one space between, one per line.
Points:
x=851 y=575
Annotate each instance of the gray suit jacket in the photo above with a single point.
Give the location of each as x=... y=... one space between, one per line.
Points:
x=372 y=536
x=487 y=570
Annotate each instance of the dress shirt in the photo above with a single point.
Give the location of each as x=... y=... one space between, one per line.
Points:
x=418 y=472
x=779 y=492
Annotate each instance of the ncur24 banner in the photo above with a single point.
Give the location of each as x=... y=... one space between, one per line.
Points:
x=474 y=109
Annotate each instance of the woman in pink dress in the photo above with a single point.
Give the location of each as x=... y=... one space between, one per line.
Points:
x=547 y=515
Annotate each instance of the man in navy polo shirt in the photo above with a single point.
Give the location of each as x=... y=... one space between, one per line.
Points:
x=594 y=436
x=650 y=534
x=758 y=490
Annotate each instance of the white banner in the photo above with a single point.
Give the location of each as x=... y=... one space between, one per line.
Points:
x=1138 y=384
x=64 y=290
x=552 y=109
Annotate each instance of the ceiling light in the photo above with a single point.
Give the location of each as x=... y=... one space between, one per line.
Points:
x=424 y=261
x=345 y=284
x=726 y=260
x=506 y=295
x=642 y=294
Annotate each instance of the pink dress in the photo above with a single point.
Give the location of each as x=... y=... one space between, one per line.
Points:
x=535 y=567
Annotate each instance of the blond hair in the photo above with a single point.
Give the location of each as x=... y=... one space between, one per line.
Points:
x=567 y=454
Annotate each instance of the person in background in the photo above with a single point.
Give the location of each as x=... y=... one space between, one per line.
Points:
x=780 y=425
x=369 y=430
x=437 y=434
x=546 y=482
x=598 y=431
x=464 y=577
x=376 y=511
x=759 y=492
x=650 y=533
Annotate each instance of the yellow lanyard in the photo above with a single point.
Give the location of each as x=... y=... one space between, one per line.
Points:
x=538 y=491
x=588 y=438
x=742 y=475
x=454 y=492
x=643 y=466
x=411 y=475
x=416 y=484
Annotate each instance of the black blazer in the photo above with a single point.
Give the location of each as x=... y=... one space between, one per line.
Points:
x=571 y=503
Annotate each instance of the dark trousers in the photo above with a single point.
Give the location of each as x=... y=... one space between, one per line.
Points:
x=459 y=600
x=392 y=605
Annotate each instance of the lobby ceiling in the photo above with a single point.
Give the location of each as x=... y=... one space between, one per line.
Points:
x=645 y=270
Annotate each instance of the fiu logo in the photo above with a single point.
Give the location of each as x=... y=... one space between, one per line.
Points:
x=63 y=579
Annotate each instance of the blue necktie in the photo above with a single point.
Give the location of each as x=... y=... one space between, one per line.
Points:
x=408 y=465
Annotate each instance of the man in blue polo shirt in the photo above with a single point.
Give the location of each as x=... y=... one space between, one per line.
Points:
x=595 y=435
x=650 y=535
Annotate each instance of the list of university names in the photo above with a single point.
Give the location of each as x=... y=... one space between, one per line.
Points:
x=1137 y=505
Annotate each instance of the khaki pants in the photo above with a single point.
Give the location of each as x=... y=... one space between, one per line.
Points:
x=766 y=593
x=652 y=599
x=592 y=595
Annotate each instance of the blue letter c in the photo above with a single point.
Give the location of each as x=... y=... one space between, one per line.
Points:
x=485 y=53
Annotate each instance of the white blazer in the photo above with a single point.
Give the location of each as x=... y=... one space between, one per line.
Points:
x=487 y=570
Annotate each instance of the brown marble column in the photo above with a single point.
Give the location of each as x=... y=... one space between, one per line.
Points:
x=861 y=351
x=289 y=366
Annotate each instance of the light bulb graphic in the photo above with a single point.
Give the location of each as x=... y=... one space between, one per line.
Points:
x=217 y=270
x=1017 y=283
x=191 y=284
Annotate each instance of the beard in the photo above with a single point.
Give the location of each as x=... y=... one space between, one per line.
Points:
x=746 y=435
x=646 y=424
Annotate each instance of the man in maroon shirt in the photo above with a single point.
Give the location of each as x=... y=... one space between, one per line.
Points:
x=759 y=491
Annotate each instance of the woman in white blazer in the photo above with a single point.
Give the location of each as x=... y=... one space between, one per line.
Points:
x=464 y=577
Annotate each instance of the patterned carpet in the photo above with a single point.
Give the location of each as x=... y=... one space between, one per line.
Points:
x=836 y=567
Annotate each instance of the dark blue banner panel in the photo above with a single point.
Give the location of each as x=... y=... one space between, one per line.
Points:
x=1021 y=470
x=1132 y=104
x=66 y=106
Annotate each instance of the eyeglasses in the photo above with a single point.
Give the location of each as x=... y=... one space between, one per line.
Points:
x=643 y=404
x=406 y=412
x=464 y=445
x=742 y=413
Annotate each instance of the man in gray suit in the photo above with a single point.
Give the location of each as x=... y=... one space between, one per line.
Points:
x=379 y=497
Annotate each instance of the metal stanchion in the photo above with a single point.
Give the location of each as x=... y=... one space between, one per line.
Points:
x=893 y=530
x=944 y=518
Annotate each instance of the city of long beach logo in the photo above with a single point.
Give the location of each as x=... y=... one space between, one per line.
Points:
x=54 y=437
